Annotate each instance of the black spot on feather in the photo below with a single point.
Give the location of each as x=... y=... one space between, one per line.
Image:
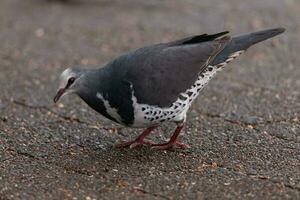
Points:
x=189 y=93
x=182 y=97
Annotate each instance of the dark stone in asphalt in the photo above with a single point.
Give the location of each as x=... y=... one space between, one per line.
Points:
x=244 y=129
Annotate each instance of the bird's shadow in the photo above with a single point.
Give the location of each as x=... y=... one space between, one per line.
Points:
x=120 y=160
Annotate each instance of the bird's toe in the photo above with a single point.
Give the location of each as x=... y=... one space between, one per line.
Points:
x=169 y=146
x=134 y=143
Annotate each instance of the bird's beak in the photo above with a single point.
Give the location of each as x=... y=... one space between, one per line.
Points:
x=59 y=93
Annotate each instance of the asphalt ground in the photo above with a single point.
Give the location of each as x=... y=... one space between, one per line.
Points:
x=243 y=131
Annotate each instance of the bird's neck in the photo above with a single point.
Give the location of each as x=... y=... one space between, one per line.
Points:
x=94 y=82
x=91 y=83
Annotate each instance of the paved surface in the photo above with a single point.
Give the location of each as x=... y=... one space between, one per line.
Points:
x=243 y=131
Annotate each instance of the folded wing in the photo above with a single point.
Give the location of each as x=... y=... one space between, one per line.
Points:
x=160 y=73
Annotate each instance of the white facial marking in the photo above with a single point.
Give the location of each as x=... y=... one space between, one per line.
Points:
x=113 y=112
x=66 y=73
x=64 y=77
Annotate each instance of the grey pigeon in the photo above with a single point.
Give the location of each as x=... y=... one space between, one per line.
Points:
x=156 y=83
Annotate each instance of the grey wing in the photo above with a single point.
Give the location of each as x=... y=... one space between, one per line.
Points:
x=162 y=72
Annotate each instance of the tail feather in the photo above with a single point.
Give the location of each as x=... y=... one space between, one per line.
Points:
x=243 y=42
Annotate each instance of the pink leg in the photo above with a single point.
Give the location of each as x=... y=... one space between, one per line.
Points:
x=140 y=140
x=172 y=143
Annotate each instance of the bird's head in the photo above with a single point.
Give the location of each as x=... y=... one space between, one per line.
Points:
x=68 y=82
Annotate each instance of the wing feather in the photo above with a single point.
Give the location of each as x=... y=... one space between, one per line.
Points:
x=159 y=74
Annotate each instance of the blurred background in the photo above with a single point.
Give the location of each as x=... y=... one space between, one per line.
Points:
x=244 y=129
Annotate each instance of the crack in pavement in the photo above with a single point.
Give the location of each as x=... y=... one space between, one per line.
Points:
x=37 y=158
x=20 y=152
x=5 y=159
x=292 y=120
x=63 y=117
x=138 y=189
x=238 y=122
x=259 y=87
x=210 y=115
x=266 y=178
x=89 y=174
x=74 y=170
x=214 y=166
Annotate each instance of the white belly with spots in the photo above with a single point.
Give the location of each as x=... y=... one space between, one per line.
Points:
x=147 y=115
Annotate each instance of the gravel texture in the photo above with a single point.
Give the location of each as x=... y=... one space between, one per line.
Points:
x=244 y=130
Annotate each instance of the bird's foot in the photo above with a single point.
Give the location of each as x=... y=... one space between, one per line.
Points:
x=140 y=140
x=170 y=145
x=134 y=143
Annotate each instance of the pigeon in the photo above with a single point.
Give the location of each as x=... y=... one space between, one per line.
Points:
x=158 y=83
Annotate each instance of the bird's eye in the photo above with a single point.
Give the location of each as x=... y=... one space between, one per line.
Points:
x=70 y=81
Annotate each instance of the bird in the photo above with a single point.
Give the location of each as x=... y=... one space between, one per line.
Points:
x=157 y=83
